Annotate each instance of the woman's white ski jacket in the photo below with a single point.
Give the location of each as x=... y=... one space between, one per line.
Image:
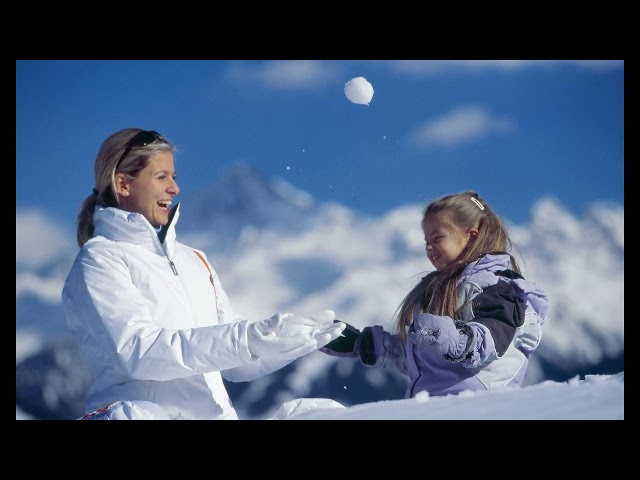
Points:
x=154 y=323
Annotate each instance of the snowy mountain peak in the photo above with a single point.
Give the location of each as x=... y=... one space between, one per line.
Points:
x=243 y=196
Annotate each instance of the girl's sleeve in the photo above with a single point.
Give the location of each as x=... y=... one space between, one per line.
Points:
x=497 y=315
x=529 y=335
x=501 y=312
x=378 y=348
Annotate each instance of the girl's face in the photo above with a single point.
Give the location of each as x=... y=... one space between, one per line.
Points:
x=444 y=241
x=152 y=191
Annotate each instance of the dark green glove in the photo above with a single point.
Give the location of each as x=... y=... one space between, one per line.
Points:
x=344 y=345
x=366 y=348
x=353 y=343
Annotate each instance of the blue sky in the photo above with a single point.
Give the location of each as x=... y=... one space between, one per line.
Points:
x=512 y=130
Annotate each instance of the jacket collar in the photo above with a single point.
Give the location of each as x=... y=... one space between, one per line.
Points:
x=122 y=226
x=489 y=261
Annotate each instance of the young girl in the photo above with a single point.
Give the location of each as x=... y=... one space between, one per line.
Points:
x=469 y=325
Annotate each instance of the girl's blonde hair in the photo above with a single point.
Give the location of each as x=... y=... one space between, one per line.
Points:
x=109 y=162
x=437 y=292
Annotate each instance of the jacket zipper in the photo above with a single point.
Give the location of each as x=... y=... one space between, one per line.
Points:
x=173 y=267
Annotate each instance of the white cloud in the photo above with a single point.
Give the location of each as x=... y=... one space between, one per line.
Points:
x=460 y=124
x=47 y=289
x=38 y=239
x=284 y=74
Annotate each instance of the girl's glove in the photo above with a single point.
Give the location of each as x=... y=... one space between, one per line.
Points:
x=442 y=334
x=356 y=343
x=344 y=345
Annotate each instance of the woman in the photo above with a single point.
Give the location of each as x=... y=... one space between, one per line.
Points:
x=149 y=313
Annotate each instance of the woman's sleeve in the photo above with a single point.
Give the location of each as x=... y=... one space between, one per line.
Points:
x=257 y=367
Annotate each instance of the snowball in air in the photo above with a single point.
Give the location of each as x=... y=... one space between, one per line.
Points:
x=358 y=90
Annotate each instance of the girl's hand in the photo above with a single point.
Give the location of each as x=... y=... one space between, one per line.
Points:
x=440 y=333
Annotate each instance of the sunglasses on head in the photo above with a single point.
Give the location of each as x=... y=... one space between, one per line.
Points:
x=140 y=139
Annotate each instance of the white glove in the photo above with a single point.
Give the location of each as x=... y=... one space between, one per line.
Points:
x=291 y=336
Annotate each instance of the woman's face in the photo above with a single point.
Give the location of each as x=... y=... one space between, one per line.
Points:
x=151 y=192
x=444 y=242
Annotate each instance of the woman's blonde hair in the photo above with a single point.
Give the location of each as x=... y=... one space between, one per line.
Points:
x=116 y=155
x=437 y=292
